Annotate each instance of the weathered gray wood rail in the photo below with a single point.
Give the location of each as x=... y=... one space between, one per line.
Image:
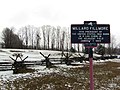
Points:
x=47 y=61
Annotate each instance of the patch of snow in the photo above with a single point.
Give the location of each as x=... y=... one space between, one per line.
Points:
x=118 y=68
x=115 y=60
x=2 y=73
x=69 y=66
x=112 y=85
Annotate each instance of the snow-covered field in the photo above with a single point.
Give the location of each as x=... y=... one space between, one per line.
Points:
x=34 y=55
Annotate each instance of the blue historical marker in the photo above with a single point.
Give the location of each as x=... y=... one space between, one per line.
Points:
x=90 y=33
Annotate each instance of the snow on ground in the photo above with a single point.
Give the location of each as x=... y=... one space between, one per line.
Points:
x=34 y=55
x=115 y=60
x=41 y=70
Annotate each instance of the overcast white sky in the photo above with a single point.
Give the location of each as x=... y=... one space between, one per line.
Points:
x=18 y=13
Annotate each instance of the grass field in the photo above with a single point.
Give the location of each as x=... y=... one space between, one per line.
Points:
x=106 y=77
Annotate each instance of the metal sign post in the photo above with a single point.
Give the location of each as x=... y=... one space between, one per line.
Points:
x=90 y=33
x=91 y=68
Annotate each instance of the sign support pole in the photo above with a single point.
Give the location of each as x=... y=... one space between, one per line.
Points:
x=91 y=68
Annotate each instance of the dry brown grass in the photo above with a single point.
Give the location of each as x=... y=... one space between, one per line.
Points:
x=106 y=77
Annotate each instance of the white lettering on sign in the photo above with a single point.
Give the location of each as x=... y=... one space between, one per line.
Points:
x=90 y=32
x=89 y=28
x=105 y=33
x=85 y=41
x=73 y=33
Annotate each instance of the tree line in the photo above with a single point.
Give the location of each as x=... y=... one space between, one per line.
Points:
x=49 y=37
x=44 y=37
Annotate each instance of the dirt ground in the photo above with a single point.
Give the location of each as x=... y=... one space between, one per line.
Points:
x=106 y=77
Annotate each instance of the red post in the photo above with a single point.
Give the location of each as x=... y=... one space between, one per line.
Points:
x=91 y=69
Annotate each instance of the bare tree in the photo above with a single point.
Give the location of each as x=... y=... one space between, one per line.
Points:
x=26 y=37
x=44 y=37
x=67 y=39
x=112 y=45
x=69 y=44
x=48 y=30
x=53 y=38
x=58 y=38
x=38 y=39
x=31 y=31
x=62 y=41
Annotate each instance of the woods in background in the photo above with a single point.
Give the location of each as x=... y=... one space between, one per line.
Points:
x=45 y=37
x=48 y=37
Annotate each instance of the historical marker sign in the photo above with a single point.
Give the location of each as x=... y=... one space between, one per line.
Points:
x=90 y=33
